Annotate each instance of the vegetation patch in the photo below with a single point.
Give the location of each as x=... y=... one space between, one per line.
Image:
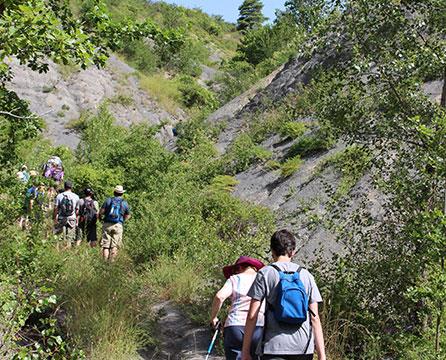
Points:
x=311 y=144
x=164 y=91
x=351 y=163
x=122 y=99
x=290 y=166
x=242 y=153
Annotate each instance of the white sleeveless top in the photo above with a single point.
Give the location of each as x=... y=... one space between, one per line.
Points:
x=240 y=284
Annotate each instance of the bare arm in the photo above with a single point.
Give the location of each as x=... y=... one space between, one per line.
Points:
x=317 y=330
x=219 y=299
x=250 y=325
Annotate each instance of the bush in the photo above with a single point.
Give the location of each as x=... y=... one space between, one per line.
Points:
x=224 y=183
x=194 y=95
x=242 y=153
x=235 y=78
x=310 y=144
x=290 y=166
x=142 y=56
x=292 y=129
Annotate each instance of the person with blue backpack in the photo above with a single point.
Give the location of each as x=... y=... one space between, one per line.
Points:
x=115 y=211
x=292 y=329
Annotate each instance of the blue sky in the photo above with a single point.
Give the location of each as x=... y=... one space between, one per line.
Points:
x=228 y=8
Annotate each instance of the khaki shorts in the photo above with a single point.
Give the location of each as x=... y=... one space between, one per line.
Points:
x=66 y=230
x=112 y=235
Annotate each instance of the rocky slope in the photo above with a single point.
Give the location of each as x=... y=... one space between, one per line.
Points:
x=62 y=95
x=301 y=200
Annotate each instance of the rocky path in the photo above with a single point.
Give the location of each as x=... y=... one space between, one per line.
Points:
x=179 y=338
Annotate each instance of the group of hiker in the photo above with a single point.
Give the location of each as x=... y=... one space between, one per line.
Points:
x=75 y=219
x=274 y=308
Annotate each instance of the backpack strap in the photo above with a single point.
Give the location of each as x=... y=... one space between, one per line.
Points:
x=285 y=272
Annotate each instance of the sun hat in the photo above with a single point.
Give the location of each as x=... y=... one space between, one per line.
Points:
x=242 y=260
x=119 y=189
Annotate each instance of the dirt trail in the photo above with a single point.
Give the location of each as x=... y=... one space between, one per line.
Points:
x=179 y=338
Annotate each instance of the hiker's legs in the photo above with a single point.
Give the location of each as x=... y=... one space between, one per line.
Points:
x=92 y=235
x=233 y=341
x=70 y=235
x=80 y=233
x=113 y=253
x=111 y=240
x=105 y=253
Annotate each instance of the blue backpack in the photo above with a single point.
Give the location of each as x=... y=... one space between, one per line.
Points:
x=291 y=305
x=114 y=211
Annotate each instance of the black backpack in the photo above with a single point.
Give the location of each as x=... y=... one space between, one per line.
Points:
x=88 y=212
x=66 y=206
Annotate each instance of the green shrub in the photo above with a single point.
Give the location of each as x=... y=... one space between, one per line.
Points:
x=292 y=129
x=310 y=144
x=194 y=95
x=223 y=183
x=352 y=163
x=104 y=305
x=122 y=99
x=272 y=165
x=290 y=166
x=141 y=56
x=242 y=153
x=235 y=78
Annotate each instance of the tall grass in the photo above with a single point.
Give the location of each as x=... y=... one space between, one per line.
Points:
x=108 y=313
x=163 y=90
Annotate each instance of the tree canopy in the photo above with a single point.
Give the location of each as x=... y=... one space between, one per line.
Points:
x=250 y=15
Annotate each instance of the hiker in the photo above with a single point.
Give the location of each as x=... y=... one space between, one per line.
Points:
x=35 y=195
x=23 y=175
x=65 y=214
x=240 y=277
x=53 y=169
x=293 y=328
x=88 y=212
x=114 y=211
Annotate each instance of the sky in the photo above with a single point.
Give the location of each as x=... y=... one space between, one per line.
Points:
x=228 y=8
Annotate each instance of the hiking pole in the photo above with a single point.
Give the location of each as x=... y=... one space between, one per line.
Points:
x=211 y=345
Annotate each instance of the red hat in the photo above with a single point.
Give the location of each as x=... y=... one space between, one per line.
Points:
x=242 y=260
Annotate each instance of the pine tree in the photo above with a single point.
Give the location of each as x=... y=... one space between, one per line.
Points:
x=251 y=16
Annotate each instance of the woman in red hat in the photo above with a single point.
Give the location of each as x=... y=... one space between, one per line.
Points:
x=240 y=277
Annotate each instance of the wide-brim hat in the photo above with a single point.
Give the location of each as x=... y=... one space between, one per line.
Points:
x=229 y=270
x=119 y=189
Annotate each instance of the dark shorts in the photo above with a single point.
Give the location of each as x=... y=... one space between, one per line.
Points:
x=234 y=340
x=287 y=357
x=88 y=231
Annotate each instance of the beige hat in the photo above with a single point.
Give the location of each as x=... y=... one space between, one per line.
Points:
x=33 y=173
x=119 y=189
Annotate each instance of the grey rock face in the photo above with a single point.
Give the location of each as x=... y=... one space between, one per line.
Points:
x=62 y=99
x=302 y=201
